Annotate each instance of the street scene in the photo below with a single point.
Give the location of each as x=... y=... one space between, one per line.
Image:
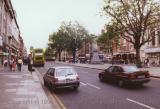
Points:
x=94 y=54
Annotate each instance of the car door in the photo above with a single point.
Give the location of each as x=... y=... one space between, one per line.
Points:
x=115 y=74
x=51 y=75
x=108 y=73
x=46 y=76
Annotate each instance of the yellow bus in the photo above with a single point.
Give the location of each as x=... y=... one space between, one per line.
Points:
x=38 y=57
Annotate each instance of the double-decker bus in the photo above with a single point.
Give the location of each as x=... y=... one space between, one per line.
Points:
x=38 y=57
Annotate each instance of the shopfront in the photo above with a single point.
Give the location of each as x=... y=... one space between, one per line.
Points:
x=153 y=54
x=125 y=57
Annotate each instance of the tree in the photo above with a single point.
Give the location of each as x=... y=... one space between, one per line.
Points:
x=107 y=38
x=132 y=19
x=76 y=34
x=59 y=42
x=69 y=37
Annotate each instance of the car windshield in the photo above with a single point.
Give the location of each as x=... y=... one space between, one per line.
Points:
x=65 y=72
x=130 y=68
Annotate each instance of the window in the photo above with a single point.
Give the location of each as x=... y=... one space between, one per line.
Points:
x=130 y=69
x=49 y=71
x=159 y=37
x=153 y=36
x=52 y=72
x=110 y=69
x=65 y=71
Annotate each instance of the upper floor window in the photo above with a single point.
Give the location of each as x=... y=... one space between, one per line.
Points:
x=153 y=36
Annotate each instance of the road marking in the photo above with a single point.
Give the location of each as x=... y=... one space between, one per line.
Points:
x=149 y=107
x=84 y=72
x=94 y=86
x=83 y=83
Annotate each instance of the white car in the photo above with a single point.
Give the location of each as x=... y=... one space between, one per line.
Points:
x=60 y=77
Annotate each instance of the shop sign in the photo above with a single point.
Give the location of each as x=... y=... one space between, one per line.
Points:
x=152 y=50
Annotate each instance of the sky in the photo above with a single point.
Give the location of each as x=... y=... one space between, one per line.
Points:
x=38 y=19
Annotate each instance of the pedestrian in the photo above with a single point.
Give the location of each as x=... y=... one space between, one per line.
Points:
x=5 y=62
x=10 y=63
x=30 y=62
x=19 y=64
x=14 y=64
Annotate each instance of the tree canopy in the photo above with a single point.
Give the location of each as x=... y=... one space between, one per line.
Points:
x=132 y=19
x=69 y=37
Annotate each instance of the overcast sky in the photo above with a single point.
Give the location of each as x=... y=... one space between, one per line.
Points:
x=39 y=18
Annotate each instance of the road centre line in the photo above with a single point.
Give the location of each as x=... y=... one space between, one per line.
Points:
x=93 y=86
x=136 y=102
x=83 y=83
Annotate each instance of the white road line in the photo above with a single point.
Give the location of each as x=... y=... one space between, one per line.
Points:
x=93 y=86
x=149 y=107
x=84 y=72
x=83 y=84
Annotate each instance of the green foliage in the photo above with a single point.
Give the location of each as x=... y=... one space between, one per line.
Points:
x=107 y=38
x=70 y=37
x=132 y=19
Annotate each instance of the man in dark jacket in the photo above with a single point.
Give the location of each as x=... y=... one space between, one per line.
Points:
x=30 y=62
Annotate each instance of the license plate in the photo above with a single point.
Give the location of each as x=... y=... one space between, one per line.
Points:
x=143 y=76
x=68 y=80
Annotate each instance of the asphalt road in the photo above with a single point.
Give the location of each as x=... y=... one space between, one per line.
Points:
x=93 y=94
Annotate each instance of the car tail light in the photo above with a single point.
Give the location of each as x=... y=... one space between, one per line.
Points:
x=132 y=76
x=77 y=78
x=147 y=75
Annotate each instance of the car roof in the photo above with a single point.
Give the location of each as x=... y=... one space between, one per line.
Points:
x=59 y=67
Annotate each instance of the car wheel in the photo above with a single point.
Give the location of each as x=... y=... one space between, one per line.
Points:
x=101 y=78
x=75 y=87
x=121 y=83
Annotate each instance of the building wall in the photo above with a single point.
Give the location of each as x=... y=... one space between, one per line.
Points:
x=9 y=30
x=152 y=50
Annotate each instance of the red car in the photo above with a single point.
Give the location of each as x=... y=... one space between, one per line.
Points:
x=125 y=75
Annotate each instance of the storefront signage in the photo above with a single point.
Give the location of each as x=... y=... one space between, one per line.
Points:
x=152 y=50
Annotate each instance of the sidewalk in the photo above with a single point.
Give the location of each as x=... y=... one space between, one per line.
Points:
x=21 y=90
x=154 y=71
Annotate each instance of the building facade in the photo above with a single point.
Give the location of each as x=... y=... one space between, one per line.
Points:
x=152 y=50
x=11 y=43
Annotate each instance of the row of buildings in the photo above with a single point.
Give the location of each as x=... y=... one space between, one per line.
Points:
x=125 y=50
x=11 y=41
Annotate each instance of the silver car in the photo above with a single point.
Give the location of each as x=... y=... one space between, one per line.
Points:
x=63 y=76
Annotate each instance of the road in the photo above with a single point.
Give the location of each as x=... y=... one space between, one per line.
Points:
x=93 y=94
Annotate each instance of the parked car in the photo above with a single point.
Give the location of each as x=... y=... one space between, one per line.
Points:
x=60 y=77
x=123 y=74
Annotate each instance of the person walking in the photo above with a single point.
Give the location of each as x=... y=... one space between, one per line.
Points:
x=14 y=64
x=19 y=64
x=10 y=63
x=5 y=62
x=30 y=62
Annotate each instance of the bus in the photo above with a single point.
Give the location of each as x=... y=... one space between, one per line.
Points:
x=38 y=57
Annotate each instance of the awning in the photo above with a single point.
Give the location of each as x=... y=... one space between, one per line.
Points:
x=4 y=54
